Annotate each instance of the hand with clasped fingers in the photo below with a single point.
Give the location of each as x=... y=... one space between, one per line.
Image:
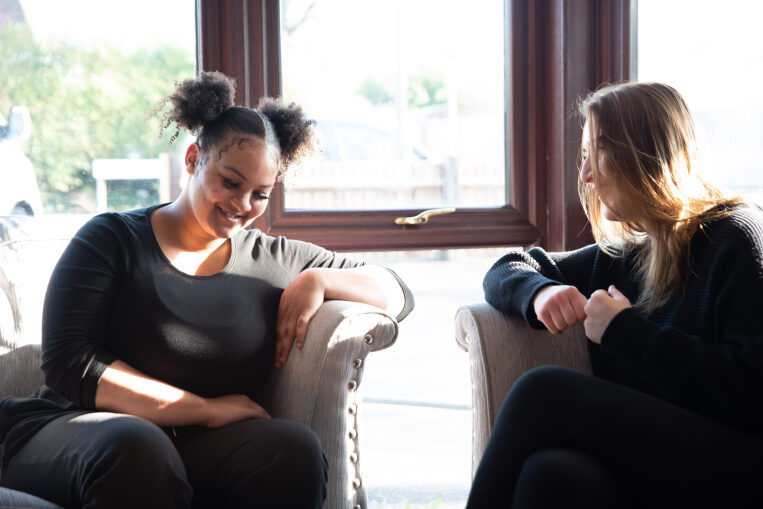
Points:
x=561 y=306
x=600 y=309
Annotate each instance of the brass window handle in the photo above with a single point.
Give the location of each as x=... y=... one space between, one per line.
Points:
x=423 y=217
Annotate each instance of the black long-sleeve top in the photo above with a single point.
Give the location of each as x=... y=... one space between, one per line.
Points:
x=114 y=295
x=703 y=350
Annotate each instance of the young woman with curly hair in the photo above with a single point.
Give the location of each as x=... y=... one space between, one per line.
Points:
x=160 y=325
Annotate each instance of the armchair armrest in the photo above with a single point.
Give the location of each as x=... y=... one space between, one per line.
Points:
x=501 y=348
x=318 y=386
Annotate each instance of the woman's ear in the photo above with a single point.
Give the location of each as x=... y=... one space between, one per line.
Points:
x=192 y=157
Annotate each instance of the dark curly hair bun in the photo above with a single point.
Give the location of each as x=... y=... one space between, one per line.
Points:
x=199 y=100
x=292 y=128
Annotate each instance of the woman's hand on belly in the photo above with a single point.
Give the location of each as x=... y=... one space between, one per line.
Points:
x=124 y=389
x=232 y=408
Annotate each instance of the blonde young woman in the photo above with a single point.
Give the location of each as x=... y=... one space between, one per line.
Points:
x=671 y=298
x=160 y=325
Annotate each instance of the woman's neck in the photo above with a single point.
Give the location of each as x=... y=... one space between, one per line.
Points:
x=187 y=247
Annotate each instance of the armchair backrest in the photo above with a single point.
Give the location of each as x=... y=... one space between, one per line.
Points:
x=27 y=258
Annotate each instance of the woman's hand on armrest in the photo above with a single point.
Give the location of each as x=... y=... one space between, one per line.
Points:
x=124 y=389
x=300 y=300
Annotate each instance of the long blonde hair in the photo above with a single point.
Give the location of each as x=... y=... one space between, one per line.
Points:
x=646 y=135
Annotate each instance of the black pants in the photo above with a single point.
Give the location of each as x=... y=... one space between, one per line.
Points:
x=113 y=461
x=563 y=439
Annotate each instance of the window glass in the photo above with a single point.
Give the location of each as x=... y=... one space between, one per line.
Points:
x=78 y=83
x=713 y=55
x=409 y=100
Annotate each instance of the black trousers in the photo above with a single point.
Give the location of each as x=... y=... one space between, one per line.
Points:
x=563 y=439
x=113 y=461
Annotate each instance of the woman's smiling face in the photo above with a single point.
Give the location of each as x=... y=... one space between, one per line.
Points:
x=231 y=184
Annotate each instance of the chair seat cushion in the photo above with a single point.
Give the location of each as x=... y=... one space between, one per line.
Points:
x=18 y=500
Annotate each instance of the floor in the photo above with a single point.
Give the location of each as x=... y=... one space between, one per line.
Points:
x=415 y=420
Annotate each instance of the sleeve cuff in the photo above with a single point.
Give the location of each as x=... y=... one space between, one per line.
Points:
x=91 y=379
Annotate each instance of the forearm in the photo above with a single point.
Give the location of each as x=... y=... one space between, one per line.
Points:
x=124 y=389
x=371 y=285
x=514 y=279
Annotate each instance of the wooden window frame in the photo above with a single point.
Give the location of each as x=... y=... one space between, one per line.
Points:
x=556 y=51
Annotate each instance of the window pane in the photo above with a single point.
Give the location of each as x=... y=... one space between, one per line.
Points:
x=78 y=82
x=409 y=99
x=713 y=55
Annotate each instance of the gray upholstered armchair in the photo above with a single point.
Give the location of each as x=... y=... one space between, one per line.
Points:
x=501 y=348
x=318 y=386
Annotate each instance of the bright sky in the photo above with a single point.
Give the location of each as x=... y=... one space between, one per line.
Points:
x=346 y=42
x=127 y=25
x=710 y=51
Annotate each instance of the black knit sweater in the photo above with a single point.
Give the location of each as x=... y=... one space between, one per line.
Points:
x=703 y=350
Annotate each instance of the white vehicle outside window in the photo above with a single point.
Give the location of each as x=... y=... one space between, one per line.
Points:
x=19 y=194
